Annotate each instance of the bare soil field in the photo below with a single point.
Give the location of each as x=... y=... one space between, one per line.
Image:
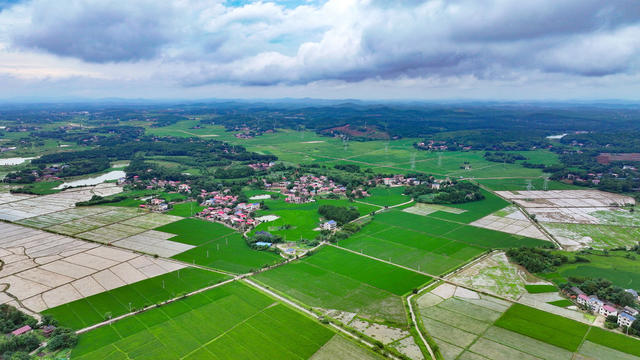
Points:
x=41 y=270
x=26 y=207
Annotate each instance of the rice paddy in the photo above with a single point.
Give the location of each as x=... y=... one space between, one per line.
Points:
x=213 y=324
x=468 y=325
x=337 y=279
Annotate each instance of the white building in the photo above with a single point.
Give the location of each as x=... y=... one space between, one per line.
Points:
x=625 y=319
x=329 y=225
x=595 y=303
x=608 y=310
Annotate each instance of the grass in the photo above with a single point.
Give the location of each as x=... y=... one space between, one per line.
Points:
x=386 y=196
x=217 y=246
x=539 y=289
x=336 y=279
x=96 y=308
x=426 y=243
x=195 y=231
x=186 y=209
x=616 y=267
x=213 y=324
x=549 y=328
x=473 y=210
x=298 y=221
x=614 y=341
x=561 y=303
x=42 y=188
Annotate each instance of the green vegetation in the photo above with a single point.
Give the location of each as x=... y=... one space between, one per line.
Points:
x=386 y=196
x=100 y=307
x=615 y=341
x=186 y=209
x=213 y=324
x=561 y=303
x=340 y=214
x=539 y=289
x=217 y=246
x=300 y=221
x=39 y=188
x=552 y=329
x=536 y=260
x=337 y=279
x=619 y=267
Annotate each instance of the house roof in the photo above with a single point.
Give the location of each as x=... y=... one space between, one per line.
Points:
x=627 y=316
x=22 y=330
x=331 y=222
x=610 y=308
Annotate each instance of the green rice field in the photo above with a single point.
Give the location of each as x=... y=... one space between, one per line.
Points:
x=615 y=267
x=300 y=221
x=428 y=244
x=539 y=289
x=337 y=279
x=210 y=325
x=551 y=329
x=94 y=309
x=490 y=328
x=217 y=246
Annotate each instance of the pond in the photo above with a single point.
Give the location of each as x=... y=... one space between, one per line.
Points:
x=111 y=175
x=14 y=161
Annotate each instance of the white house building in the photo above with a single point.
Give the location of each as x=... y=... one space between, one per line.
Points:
x=608 y=310
x=329 y=225
x=625 y=319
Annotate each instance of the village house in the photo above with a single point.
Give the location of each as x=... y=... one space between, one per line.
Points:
x=583 y=300
x=22 y=330
x=630 y=311
x=595 y=304
x=608 y=310
x=625 y=319
x=329 y=225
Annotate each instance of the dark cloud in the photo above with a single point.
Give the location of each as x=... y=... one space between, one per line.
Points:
x=259 y=43
x=105 y=31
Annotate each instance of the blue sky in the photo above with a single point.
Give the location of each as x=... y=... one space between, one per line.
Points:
x=368 y=49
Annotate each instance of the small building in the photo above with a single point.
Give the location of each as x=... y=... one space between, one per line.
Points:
x=634 y=293
x=583 y=299
x=625 y=319
x=329 y=225
x=48 y=330
x=23 y=330
x=263 y=243
x=595 y=304
x=631 y=311
x=575 y=290
x=608 y=310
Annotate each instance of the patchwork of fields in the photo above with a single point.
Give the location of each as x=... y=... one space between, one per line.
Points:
x=337 y=279
x=45 y=270
x=468 y=325
x=216 y=246
x=15 y=207
x=302 y=221
x=428 y=243
x=215 y=324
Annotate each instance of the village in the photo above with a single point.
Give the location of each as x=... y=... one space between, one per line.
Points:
x=614 y=315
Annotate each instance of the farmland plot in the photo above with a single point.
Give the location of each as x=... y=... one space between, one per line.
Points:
x=336 y=279
x=41 y=205
x=213 y=324
x=45 y=270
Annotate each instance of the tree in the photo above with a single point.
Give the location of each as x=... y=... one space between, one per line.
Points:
x=62 y=338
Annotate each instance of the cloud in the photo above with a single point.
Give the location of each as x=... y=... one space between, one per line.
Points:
x=103 y=31
x=194 y=43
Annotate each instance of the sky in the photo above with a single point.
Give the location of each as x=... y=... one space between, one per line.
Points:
x=363 y=49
